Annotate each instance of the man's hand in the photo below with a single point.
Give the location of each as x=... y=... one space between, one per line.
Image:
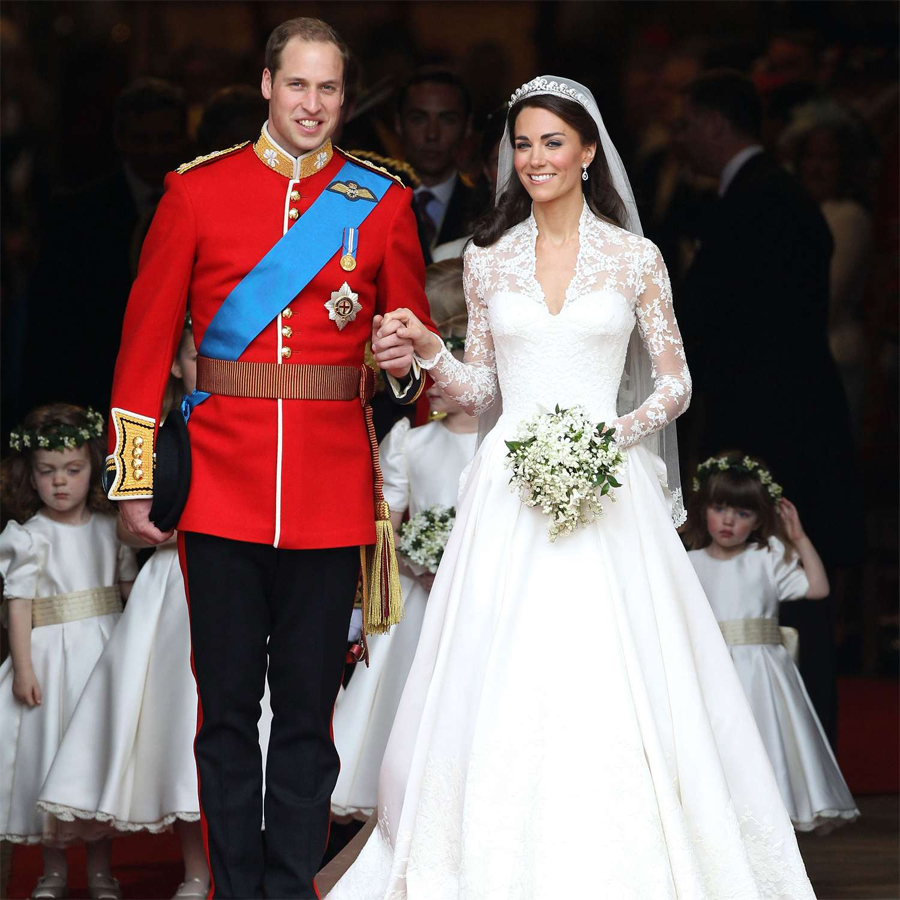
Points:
x=396 y=336
x=136 y=518
x=393 y=352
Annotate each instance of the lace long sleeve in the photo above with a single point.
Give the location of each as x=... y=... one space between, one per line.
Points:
x=660 y=335
x=472 y=382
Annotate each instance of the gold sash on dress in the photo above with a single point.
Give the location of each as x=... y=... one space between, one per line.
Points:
x=75 y=605
x=750 y=631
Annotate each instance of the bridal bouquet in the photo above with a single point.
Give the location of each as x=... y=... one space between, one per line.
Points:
x=564 y=463
x=424 y=536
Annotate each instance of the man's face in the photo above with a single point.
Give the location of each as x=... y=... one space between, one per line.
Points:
x=305 y=95
x=152 y=143
x=432 y=125
x=694 y=136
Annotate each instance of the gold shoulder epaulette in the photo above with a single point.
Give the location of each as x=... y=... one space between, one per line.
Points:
x=209 y=157
x=372 y=160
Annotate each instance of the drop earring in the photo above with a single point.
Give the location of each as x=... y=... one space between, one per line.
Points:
x=584 y=174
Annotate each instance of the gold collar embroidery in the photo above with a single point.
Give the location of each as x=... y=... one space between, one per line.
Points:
x=268 y=152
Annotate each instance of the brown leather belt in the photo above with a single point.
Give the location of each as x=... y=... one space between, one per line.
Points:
x=270 y=381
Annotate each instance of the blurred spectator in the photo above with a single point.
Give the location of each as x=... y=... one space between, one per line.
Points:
x=434 y=117
x=828 y=152
x=754 y=313
x=232 y=115
x=89 y=254
x=486 y=187
x=671 y=198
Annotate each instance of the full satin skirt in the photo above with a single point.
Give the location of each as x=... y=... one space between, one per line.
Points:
x=365 y=710
x=127 y=762
x=572 y=725
x=814 y=791
x=62 y=657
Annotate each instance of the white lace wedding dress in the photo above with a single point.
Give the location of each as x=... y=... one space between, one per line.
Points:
x=572 y=725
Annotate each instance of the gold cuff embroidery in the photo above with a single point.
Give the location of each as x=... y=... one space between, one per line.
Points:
x=132 y=459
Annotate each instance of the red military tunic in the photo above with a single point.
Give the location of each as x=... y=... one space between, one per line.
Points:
x=293 y=473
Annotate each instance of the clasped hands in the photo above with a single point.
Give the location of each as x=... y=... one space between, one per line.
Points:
x=396 y=336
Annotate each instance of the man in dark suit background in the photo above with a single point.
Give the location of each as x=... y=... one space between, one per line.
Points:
x=88 y=257
x=753 y=311
x=433 y=118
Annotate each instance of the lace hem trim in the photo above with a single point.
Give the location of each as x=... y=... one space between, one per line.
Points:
x=827 y=820
x=71 y=814
x=22 y=838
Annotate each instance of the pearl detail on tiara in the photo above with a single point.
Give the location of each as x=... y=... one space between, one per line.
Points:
x=544 y=86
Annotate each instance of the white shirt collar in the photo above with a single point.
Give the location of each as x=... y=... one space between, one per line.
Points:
x=442 y=191
x=735 y=164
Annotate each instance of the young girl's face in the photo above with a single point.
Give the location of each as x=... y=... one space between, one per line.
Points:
x=441 y=402
x=730 y=526
x=62 y=478
x=184 y=366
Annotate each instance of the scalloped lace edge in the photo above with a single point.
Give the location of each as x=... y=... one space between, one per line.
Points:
x=70 y=814
x=827 y=818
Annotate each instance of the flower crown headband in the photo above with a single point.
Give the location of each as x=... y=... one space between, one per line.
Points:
x=58 y=435
x=545 y=86
x=746 y=466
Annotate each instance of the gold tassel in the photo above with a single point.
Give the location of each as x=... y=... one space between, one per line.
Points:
x=382 y=595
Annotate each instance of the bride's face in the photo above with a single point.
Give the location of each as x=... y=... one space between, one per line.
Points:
x=548 y=154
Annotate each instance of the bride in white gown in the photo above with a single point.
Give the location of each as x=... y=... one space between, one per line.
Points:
x=572 y=725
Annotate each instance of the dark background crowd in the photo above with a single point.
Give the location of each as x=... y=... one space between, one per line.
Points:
x=101 y=99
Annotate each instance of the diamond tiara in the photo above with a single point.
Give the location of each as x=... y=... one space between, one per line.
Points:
x=545 y=86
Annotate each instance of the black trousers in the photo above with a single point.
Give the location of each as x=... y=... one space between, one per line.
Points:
x=254 y=607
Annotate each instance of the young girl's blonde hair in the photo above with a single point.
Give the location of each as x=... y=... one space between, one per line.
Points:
x=736 y=487
x=444 y=289
x=18 y=495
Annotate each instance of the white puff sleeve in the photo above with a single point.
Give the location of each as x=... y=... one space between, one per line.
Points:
x=22 y=559
x=392 y=454
x=790 y=580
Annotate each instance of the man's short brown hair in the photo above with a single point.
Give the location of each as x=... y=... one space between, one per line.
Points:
x=307 y=29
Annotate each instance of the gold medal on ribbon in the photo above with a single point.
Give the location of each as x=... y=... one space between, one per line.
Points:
x=348 y=251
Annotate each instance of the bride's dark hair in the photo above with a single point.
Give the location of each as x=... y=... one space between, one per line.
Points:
x=514 y=204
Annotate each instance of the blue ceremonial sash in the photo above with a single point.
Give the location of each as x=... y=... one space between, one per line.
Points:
x=289 y=266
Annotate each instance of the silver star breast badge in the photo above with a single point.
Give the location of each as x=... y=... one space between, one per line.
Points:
x=343 y=306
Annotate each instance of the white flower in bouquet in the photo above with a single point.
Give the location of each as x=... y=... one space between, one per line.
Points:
x=424 y=536
x=564 y=463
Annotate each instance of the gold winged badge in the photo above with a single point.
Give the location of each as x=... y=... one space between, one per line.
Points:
x=352 y=191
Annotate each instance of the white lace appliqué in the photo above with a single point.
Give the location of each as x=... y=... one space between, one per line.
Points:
x=515 y=343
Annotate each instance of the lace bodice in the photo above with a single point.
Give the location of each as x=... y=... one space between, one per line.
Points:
x=517 y=347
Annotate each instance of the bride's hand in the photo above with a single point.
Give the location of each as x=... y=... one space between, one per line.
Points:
x=403 y=325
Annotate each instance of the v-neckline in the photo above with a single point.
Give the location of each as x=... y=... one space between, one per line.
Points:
x=542 y=295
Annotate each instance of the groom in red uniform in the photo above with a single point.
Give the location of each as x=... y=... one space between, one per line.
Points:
x=281 y=493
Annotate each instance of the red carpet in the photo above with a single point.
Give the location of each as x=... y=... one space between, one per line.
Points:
x=149 y=866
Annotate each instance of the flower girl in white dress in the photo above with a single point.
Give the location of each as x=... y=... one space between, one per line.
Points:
x=588 y=673
x=737 y=524
x=64 y=575
x=126 y=763
x=421 y=468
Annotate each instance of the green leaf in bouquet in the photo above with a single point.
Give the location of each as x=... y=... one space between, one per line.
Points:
x=604 y=490
x=613 y=481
